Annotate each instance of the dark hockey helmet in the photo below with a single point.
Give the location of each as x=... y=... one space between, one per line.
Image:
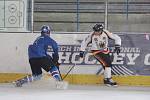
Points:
x=98 y=27
x=45 y=30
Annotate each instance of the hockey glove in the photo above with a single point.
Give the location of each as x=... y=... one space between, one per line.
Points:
x=81 y=54
x=117 y=49
x=57 y=64
x=55 y=60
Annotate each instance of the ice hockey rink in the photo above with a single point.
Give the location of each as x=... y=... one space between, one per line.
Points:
x=47 y=91
x=70 y=21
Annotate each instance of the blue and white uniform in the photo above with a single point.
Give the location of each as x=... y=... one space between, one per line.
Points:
x=38 y=57
x=40 y=46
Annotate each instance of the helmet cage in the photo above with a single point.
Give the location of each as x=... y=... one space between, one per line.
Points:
x=45 y=30
x=98 y=28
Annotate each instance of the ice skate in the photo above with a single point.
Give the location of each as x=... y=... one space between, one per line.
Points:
x=61 y=85
x=18 y=83
x=109 y=82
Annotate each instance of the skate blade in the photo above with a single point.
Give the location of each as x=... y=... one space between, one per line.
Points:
x=108 y=85
x=16 y=84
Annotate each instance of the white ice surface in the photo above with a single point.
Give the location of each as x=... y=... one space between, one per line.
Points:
x=46 y=91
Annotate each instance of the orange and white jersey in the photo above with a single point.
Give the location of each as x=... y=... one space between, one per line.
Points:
x=99 y=41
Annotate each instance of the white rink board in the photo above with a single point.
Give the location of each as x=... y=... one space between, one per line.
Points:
x=14 y=54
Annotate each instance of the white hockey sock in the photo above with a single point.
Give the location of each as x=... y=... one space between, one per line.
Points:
x=37 y=77
x=107 y=72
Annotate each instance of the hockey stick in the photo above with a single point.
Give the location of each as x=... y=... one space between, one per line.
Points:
x=69 y=71
x=99 y=71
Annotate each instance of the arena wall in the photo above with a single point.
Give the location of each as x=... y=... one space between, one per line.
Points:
x=131 y=67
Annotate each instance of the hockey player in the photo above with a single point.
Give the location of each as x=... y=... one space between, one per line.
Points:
x=39 y=59
x=99 y=41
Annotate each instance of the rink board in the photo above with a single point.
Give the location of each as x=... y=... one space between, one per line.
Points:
x=85 y=79
x=130 y=67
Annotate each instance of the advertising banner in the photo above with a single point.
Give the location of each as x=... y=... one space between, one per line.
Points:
x=134 y=58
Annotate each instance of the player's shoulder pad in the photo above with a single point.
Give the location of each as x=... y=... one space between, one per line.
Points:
x=109 y=34
x=106 y=31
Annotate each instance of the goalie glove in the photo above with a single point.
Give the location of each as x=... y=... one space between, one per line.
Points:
x=117 y=49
